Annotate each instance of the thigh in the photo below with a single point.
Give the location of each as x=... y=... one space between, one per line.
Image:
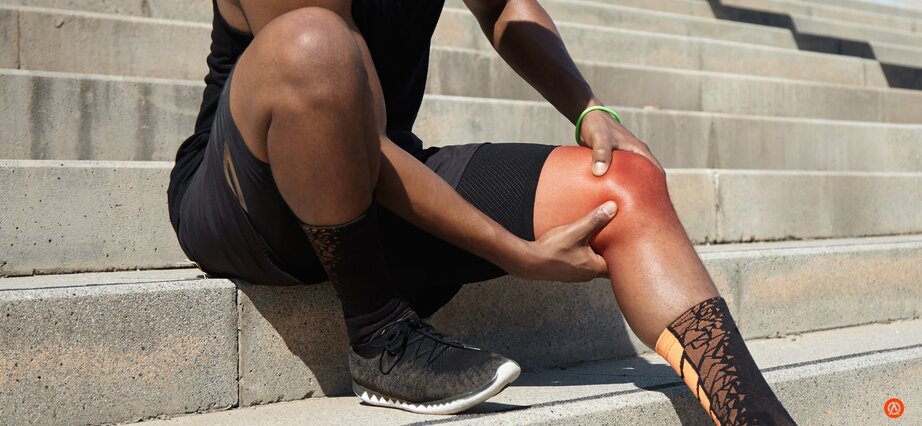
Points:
x=500 y=180
x=234 y=223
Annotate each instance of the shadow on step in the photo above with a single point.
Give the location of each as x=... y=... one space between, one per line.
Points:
x=292 y=340
x=898 y=76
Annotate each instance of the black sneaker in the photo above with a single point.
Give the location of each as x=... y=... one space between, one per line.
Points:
x=411 y=366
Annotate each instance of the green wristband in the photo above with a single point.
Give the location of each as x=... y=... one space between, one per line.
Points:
x=579 y=121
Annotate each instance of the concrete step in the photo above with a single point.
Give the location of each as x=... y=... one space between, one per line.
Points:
x=866 y=29
x=833 y=12
x=630 y=17
x=897 y=51
x=452 y=72
x=684 y=7
x=852 y=370
x=601 y=41
x=170 y=52
x=181 y=10
x=890 y=8
x=855 y=31
x=83 y=117
x=73 y=216
x=672 y=22
x=110 y=347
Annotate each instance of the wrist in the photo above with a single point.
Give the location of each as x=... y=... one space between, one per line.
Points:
x=594 y=120
x=514 y=255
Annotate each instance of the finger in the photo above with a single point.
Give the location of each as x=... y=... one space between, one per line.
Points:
x=601 y=158
x=599 y=265
x=590 y=224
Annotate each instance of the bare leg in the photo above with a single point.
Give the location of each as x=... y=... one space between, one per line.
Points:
x=307 y=102
x=660 y=283
x=655 y=273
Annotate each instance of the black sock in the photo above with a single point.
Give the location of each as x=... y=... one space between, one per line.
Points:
x=352 y=256
x=706 y=349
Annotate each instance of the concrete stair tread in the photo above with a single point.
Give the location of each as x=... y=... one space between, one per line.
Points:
x=641 y=388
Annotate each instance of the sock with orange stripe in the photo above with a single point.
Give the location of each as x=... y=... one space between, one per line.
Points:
x=706 y=349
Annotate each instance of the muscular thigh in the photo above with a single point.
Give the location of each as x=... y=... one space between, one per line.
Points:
x=300 y=52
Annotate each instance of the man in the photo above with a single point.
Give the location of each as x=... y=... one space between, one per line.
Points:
x=304 y=168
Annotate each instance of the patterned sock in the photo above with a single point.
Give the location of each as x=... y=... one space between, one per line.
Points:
x=353 y=259
x=706 y=349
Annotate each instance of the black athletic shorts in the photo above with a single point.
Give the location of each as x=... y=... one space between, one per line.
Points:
x=234 y=224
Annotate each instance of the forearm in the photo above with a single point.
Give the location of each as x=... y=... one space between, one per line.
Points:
x=418 y=195
x=527 y=39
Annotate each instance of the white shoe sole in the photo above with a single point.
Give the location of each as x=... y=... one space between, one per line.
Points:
x=505 y=374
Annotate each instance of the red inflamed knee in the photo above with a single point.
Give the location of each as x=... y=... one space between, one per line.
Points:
x=567 y=190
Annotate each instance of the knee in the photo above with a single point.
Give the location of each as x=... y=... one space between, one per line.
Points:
x=309 y=42
x=567 y=190
x=635 y=183
x=639 y=188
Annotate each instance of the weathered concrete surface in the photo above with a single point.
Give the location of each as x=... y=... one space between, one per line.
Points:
x=616 y=16
x=877 y=7
x=182 y=10
x=292 y=343
x=897 y=54
x=108 y=349
x=855 y=31
x=78 y=117
x=105 y=44
x=9 y=38
x=829 y=12
x=637 y=86
x=822 y=378
x=775 y=205
x=60 y=217
x=801 y=287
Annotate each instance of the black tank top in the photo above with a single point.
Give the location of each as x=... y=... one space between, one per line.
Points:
x=398 y=34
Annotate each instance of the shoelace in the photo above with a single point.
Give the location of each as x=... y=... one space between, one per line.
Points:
x=405 y=332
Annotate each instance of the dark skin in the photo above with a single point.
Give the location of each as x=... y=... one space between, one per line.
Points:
x=330 y=177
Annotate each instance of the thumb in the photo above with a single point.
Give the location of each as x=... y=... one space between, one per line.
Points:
x=593 y=222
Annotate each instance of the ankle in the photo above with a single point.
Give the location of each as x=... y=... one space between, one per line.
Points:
x=360 y=328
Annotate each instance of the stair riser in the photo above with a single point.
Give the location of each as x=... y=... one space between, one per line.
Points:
x=103 y=354
x=73 y=117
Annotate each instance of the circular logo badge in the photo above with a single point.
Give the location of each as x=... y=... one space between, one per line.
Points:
x=893 y=408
